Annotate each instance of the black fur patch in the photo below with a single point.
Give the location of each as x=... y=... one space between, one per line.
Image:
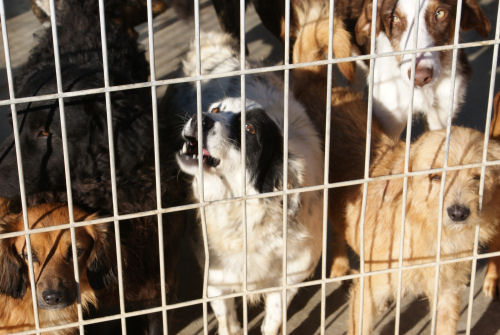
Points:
x=13 y=272
x=264 y=149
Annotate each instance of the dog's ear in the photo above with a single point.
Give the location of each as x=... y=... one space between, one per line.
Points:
x=13 y=269
x=364 y=24
x=101 y=262
x=473 y=17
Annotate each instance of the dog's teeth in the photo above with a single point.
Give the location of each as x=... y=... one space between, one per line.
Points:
x=184 y=148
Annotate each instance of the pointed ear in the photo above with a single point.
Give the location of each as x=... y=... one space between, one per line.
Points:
x=473 y=17
x=13 y=269
x=364 y=24
x=101 y=262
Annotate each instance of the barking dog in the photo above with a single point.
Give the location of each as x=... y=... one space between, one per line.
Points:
x=56 y=289
x=459 y=219
x=222 y=176
x=395 y=25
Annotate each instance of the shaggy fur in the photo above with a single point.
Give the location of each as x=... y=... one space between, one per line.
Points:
x=222 y=180
x=491 y=286
x=53 y=269
x=459 y=219
x=348 y=119
x=394 y=32
x=88 y=146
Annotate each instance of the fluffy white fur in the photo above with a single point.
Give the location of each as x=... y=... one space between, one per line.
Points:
x=392 y=87
x=224 y=221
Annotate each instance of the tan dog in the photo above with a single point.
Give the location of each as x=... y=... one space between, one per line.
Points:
x=348 y=115
x=459 y=218
x=491 y=285
x=53 y=268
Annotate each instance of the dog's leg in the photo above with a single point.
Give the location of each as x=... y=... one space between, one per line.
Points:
x=491 y=286
x=274 y=312
x=340 y=262
x=225 y=312
x=448 y=310
x=368 y=308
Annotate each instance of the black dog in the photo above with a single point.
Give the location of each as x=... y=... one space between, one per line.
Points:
x=89 y=158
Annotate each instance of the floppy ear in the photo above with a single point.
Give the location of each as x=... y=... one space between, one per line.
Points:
x=473 y=17
x=101 y=262
x=13 y=269
x=364 y=24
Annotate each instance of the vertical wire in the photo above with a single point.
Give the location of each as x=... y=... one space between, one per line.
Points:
x=69 y=194
x=445 y=165
x=326 y=164
x=285 y=164
x=243 y=164
x=406 y=170
x=367 y=168
x=156 y=141
x=109 y=120
x=200 y=163
x=483 y=168
x=17 y=143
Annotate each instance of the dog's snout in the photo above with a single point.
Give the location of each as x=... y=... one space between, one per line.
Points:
x=206 y=121
x=458 y=212
x=52 y=297
x=423 y=75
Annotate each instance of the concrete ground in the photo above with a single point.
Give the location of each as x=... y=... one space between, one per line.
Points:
x=172 y=37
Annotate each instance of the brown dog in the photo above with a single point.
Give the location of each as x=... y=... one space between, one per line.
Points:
x=491 y=285
x=459 y=218
x=348 y=115
x=56 y=288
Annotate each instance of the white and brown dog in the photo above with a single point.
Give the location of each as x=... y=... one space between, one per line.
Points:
x=395 y=27
x=222 y=179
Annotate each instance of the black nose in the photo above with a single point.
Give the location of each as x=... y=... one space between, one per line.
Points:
x=206 y=121
x=458 y=212
x=51 y=297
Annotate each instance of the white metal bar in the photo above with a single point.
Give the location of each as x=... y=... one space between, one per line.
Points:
x=156 y=141
x=15 y=130
x=328 y=114
x=200 y=164
x=109 y=120
x=69 y=194
x=263 y=69
x=483 y=168
x=286 y=91
x=367 y=167
x=445 y=164
x=243 y=163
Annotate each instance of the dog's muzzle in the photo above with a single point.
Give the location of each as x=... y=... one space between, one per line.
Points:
x=189 y=151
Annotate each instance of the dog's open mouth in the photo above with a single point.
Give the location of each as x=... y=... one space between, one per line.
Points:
x=189 y=153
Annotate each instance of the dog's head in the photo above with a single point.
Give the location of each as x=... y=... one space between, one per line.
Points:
x=461 y=193
x=222 y=146
x=52 y=256
x=436 y=24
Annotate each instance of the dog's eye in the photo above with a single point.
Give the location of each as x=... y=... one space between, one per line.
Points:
x=43 y=133
x=440 y=14
x=395 y=19
x=477 y=177
x=215 y=110
x=249 y=128
x=33 y=256
x=435 y=177
x=79 y=253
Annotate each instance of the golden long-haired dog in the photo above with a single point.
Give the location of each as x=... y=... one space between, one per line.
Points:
x=460 y=216
x=491 y=286
x=56 y=288
x=348 y=114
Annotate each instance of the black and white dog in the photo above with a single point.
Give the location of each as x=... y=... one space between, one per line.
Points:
x=222 y=177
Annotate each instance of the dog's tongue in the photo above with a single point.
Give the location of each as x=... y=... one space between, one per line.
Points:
x=205 y=152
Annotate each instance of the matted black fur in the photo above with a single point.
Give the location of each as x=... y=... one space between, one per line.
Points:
x=88 y=148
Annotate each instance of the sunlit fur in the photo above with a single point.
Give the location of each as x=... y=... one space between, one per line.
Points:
x=382 y=224
x=52 y=270
x=264 y=217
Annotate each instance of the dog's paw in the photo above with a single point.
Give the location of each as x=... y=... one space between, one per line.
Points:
x=232 y=329
x=491 y=286
x=340 y=267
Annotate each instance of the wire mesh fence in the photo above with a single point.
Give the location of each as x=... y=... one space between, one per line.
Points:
x=321 y=305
